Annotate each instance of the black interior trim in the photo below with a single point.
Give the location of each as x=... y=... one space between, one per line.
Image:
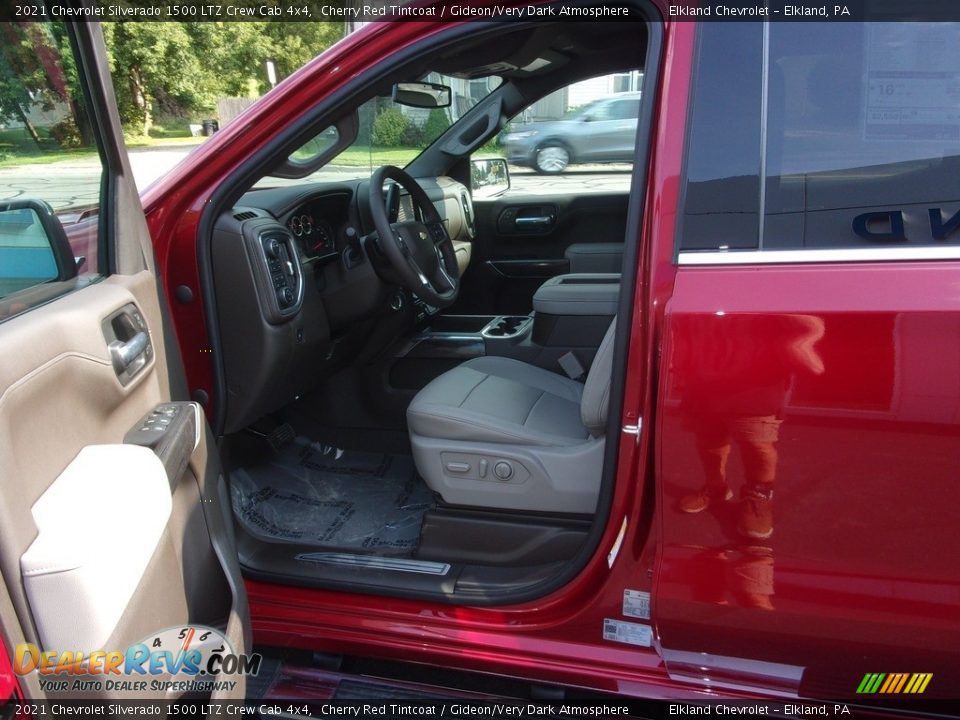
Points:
x=536 y=268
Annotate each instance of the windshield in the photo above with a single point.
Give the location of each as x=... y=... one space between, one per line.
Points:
x=393 y=134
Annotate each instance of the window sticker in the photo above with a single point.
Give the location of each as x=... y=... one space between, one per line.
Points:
x=913 y=82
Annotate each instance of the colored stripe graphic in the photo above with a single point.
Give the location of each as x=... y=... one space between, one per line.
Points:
x=891 y=679
x=894 y=683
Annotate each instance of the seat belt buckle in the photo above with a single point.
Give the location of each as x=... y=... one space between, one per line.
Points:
x=570 y=365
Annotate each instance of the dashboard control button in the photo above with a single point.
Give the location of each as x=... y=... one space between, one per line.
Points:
x=285 y=297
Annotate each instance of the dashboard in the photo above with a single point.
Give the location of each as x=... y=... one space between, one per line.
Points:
x=299 y=292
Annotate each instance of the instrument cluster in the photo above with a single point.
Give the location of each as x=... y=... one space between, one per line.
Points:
x=315 y=234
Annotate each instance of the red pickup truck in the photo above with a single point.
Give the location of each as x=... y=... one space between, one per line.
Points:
x=696 y=437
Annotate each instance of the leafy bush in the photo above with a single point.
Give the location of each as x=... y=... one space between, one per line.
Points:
x=436 y=124
x=389 y=127
x=66 y=134
x=412 y=136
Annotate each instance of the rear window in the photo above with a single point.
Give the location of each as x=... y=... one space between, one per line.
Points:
x=838 y=135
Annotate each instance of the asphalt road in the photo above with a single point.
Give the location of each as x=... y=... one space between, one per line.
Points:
x=76 y=182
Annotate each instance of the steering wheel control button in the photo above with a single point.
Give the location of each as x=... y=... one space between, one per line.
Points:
x=503 y=470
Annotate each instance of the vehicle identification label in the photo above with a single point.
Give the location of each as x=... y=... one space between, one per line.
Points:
x=636 y=604
x=627 y=632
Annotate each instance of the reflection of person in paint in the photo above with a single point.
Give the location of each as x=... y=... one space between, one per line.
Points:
x=737 y=395
x=736 y=382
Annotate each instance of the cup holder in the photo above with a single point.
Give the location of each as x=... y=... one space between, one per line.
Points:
x=506 y=327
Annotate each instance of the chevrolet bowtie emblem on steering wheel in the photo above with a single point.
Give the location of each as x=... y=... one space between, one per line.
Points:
x=423 y=235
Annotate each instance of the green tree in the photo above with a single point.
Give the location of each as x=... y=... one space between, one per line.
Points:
x=181 y=68
x=157 y=64
x=23 y=80
x=437 y=123
x=37 y=70
x=293 y=44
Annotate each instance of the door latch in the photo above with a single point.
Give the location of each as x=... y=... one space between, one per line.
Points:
x=128 y=342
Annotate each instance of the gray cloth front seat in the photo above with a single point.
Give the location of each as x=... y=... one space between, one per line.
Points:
x=500 y=433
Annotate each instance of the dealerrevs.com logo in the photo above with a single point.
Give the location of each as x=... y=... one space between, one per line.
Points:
x=182 y=659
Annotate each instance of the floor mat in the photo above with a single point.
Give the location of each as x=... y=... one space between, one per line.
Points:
x=320 y=495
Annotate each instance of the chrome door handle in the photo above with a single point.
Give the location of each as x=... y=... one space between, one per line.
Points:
x=533 y=221
x=124 y=354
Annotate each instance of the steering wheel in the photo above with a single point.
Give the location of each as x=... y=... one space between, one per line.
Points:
x=421 y=253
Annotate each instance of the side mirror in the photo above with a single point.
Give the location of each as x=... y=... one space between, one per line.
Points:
x=422 y=95
x=489 y=177
x=33 y=246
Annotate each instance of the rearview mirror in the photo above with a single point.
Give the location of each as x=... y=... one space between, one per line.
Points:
x=422 y=95
x=489 y=177
x=33 y=247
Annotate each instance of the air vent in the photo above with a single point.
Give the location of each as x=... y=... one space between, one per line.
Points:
x=245 y=215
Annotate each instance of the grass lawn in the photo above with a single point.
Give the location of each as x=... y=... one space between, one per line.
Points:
x=142 y=142
x=17 y=148
x=398 y=156
x=361 y=156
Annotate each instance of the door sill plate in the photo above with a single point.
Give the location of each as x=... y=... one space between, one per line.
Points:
x=371 y=562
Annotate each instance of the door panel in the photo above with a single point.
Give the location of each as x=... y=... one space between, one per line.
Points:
x=79 y=378
x=823 y=400
x=511 y=260
x=61 y=394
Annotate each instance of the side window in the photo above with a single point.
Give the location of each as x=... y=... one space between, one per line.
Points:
x=50 y=169
x=860 y=146
x=598 y=112
x=625 y=110
x=564 y=136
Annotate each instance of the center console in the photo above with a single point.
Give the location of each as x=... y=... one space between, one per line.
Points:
x=571 y=315
x=574 y=311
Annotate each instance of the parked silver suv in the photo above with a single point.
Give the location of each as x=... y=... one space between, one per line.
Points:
x=604 y=130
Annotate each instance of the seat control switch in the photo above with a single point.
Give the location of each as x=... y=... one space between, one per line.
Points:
x=503 y=470
x=458 y=467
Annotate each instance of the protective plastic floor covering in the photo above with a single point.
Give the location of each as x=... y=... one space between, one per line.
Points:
x=319 y=495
